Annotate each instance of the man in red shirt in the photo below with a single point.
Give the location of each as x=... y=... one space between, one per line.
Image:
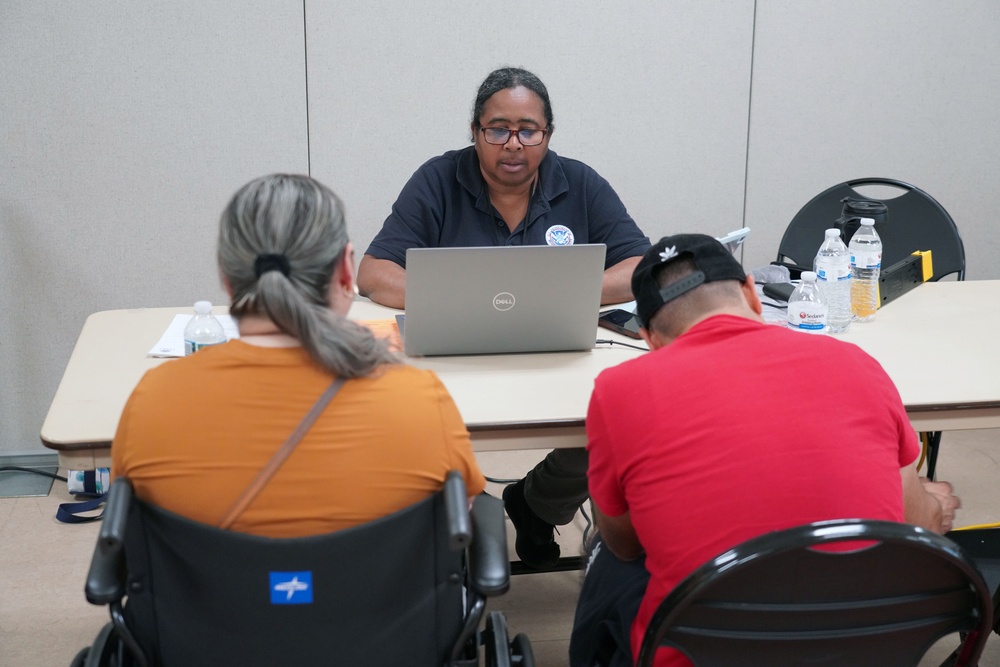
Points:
x=729 y=428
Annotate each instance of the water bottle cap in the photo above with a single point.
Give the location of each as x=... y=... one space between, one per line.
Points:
x=868 y=221
x=833 y=231
x=203 y=307
x=808 y=276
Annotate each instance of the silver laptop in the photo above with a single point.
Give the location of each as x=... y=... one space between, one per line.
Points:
x=502 y=299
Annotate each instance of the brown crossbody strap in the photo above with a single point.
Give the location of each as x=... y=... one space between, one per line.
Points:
x=267 y=472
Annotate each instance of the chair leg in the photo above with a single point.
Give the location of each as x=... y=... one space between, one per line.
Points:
x=950 y=660
x=933 y=445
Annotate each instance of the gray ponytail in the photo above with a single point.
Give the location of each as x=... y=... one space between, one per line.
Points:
x=302 y=220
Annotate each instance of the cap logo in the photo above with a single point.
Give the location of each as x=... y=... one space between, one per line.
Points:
x=668 y=254
x=559 y=235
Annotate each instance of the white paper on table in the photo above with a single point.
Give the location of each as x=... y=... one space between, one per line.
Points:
x=171 y=343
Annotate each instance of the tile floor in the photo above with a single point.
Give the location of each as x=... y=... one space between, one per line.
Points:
x=44 y=619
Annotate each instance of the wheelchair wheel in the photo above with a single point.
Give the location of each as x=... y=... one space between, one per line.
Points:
x=495 y=641
x=104 y=649
x=521 y=654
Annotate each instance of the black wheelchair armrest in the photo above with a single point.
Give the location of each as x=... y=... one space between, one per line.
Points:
x=457 y=510
x=106 y=577
x=489 y=563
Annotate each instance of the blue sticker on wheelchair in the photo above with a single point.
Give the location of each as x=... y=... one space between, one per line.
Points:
x=291 y=587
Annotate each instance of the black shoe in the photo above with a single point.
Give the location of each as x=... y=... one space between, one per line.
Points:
x=535 y=542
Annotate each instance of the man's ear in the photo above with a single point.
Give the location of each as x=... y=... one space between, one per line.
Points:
x=750 y=294
x=652 y=338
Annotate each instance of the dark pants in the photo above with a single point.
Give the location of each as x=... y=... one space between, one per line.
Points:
x=609 y=600
x=556 y=487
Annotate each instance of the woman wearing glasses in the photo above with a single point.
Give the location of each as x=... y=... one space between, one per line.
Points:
x=508 y=188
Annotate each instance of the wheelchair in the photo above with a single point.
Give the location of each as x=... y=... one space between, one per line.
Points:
x=407 y=589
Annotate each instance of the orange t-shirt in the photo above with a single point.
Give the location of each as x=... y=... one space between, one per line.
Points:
x=197 y=430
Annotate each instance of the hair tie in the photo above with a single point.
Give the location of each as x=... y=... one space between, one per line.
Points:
x=265 y=263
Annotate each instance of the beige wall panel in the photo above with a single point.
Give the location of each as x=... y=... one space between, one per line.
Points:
x=902 y=89
x=124 y=128
x=653 y=95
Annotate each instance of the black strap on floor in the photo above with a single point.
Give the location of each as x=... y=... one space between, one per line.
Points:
x=74 y=512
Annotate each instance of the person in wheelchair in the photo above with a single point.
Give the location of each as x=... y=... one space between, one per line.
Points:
x=297 y=496
x=197 y=431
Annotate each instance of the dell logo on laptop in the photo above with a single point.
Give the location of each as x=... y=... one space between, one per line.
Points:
x=503 y=301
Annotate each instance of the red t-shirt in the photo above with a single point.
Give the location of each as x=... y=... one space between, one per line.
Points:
x=736 y=429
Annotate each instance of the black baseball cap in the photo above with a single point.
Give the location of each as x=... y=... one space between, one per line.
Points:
x=712 y=261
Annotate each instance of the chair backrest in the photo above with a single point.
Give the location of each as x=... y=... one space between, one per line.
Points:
x=915 y=221
x=777 y=599
x=982 y=545
x=388 y=592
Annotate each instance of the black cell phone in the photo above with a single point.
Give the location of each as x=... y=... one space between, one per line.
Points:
x=621 y=321
x=779 y=291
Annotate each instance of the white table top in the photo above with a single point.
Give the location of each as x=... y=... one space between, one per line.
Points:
x=937 y=343
x=496 y=394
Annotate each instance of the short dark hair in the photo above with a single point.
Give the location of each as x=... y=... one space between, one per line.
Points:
x=510 y=77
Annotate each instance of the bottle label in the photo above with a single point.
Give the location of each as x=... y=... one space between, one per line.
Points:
x=866 y=259
x=190 y=346
x=807 y=316
x=832 y=269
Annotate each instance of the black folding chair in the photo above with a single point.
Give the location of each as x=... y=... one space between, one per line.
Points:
x=914 y=221
x=406 y=589
x=785 y=599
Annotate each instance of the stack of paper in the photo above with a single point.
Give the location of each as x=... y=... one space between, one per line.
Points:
x=171 y=343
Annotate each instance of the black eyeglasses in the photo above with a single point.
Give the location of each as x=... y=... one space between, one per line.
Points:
x=501 y=135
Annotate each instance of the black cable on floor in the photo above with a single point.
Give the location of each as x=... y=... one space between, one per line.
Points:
x=43 y=473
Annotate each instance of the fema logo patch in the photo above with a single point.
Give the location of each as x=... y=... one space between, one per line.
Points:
x=291 y=587
x=559 y=235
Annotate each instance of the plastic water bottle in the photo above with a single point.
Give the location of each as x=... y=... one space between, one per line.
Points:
x=807 y=310
x=203 y=329
x=833 y=275
x=866 y=262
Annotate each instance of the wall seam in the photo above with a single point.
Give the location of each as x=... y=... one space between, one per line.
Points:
x=305 y=58
x=746 y=160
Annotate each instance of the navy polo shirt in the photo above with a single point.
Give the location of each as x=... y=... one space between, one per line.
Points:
x=446 y=204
